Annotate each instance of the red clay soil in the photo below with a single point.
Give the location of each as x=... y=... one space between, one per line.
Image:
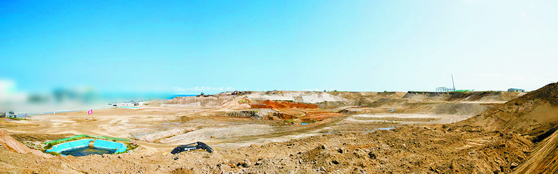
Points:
x=257 y=105
x=282 y=104
x=320 y=115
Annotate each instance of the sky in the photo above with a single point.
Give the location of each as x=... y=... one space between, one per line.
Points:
x=190 y=47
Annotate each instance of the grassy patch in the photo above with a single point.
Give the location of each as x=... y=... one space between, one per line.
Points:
x=17 y=118
x=54 y=153
x=131 y=146
x=48 y=146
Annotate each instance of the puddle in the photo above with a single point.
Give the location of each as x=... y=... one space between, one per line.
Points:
x=171 y=123
x=307 y=121
x=380 y=128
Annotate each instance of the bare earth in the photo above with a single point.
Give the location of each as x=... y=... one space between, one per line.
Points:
x=345 y=133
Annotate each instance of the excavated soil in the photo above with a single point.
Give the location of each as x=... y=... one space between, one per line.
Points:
x=440 y=149
x=535 y=117
x=518 y=136
x=282 y=104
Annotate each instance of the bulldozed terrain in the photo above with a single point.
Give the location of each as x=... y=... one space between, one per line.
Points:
x=306 y=132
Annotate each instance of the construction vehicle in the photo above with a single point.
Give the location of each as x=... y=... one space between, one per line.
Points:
x=192 y=146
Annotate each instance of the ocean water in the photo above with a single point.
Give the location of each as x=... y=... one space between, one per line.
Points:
x=189 y=95
x=24 y=109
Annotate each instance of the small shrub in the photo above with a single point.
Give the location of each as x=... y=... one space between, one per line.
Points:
x=17 y=118
x=132 y=146
x=48 y=146
x=54 y=153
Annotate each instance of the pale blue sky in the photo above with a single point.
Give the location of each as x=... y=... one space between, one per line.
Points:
x=310 y=44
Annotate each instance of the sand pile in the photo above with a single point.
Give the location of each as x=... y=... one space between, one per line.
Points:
x=534 y=114
x=543 y=158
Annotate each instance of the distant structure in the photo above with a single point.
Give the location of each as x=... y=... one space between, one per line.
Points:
x=444 y=89
x=516 y=90
x=453 y=83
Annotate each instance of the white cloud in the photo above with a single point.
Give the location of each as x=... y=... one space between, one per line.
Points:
x=8 y=91
x=533 y=5
x=6 y=86
x=523 y=14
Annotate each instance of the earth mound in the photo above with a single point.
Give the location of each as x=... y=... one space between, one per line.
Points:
x=534 y=114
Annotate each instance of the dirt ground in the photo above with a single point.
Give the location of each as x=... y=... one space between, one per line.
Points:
x=425 y=133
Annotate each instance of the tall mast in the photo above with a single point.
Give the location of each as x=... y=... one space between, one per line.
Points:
x=453 y=82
